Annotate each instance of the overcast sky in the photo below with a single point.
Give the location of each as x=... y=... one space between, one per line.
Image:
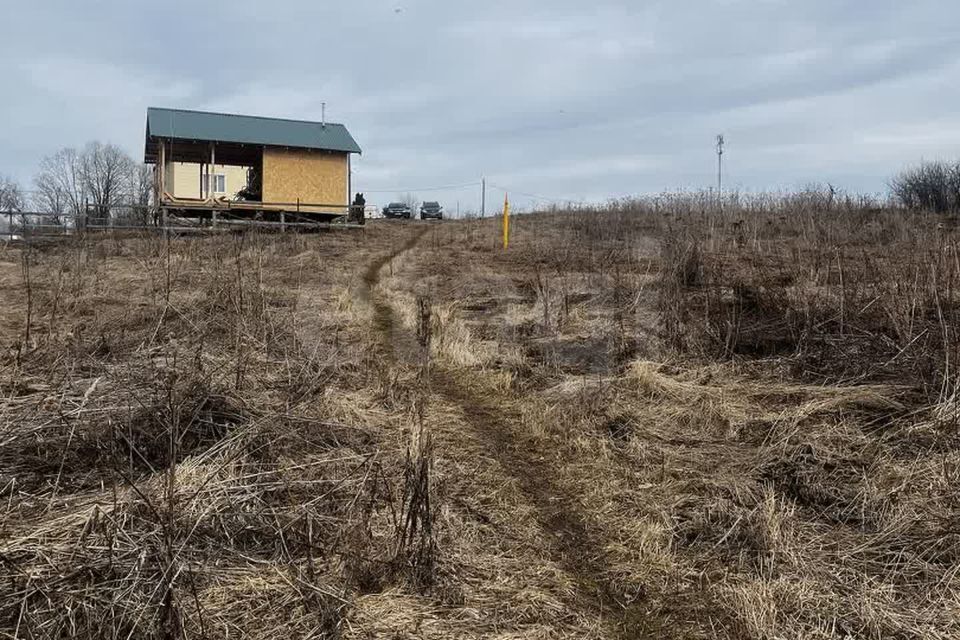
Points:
x=561 y=99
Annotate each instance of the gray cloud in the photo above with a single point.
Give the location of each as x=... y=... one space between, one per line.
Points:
x=561 y=99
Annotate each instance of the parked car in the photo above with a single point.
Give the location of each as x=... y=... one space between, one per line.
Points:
x=431 y=210
x=396 y=210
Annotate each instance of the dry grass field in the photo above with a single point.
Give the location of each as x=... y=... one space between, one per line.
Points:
x=650 y=420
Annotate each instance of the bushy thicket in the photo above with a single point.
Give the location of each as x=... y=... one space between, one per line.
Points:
x=932 y=186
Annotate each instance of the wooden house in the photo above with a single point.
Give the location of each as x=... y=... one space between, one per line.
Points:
x=241 y=165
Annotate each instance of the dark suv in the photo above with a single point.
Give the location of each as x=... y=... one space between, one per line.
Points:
x=396 y=210
x=431 y=210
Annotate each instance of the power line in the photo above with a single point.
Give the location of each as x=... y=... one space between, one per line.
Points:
x=441 y=188
x=535 y=196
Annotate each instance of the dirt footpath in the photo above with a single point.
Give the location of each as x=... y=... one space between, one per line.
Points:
x=496 y=420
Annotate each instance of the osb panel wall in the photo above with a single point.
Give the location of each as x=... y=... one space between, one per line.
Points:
x=310 y=176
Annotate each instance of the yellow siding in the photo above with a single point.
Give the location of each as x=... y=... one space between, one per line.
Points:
x=183 y=180
x=312 y=177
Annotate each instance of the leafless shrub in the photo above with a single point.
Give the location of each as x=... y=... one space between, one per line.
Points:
x=682 y=261
x=931 y=186
x=848 y=291
x=416 y=549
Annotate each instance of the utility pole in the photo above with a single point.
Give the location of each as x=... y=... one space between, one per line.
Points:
x=483 y=197
x=720 y=142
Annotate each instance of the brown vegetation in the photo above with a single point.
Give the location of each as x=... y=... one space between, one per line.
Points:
x=655 y=419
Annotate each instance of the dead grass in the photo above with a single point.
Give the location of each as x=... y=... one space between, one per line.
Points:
x=649 y=420
x=191 y=442
x=741 y=491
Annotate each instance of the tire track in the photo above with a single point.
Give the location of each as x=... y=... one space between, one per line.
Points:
x=572 y=545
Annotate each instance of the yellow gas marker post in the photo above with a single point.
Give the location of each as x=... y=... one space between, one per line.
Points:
x=506 y=221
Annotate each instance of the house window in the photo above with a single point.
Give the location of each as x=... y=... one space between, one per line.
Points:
x=219 y=181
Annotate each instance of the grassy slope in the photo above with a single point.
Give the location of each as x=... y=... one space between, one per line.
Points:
x=586 y=479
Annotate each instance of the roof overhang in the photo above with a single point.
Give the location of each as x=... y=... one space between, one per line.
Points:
x=191 y=134
x=199 y=151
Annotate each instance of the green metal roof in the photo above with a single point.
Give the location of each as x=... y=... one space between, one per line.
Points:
x=182 y=124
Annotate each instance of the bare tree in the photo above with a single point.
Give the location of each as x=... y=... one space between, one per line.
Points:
x=59 y=183
x=12 y=199
x=138 y=191
x=105 y=170
x=11 y=195
x=101 y=175
x=49 y=198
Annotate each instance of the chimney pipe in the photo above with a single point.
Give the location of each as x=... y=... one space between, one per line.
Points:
x=323 y=115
